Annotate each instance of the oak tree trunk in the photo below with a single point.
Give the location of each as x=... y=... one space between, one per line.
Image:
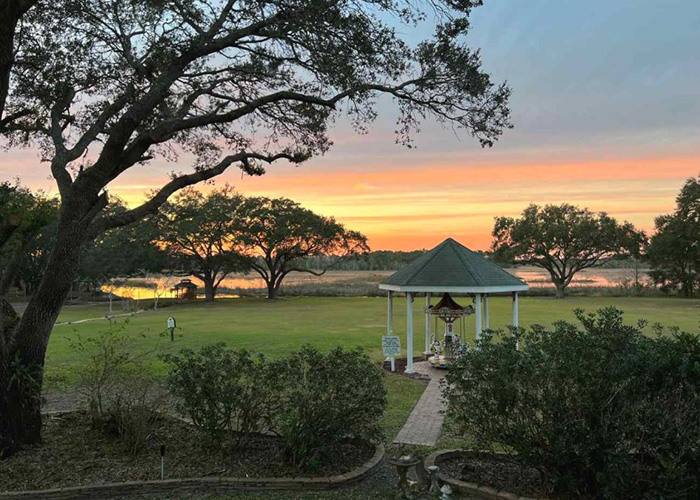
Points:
x=560 y=289
x=209 y=289
x=273 y=287
x=23 y=361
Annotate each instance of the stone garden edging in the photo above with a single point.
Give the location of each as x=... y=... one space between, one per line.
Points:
x=474 y=490
x=210 y=484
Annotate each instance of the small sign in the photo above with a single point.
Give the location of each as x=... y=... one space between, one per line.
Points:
x=391 y=346
x=171 y=322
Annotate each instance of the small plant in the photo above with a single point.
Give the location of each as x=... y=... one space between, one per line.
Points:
x=226 y=393
x=108 y=357
x=326 y=398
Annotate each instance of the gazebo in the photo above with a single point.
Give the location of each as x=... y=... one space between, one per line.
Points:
x=450 y=267
x=185 y=289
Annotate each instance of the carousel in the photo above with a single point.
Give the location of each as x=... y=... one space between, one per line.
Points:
x=449 y=312
x=449 y=270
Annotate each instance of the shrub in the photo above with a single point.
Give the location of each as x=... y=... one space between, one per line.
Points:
x=603 y=411
x=226 y=393
x=132 y=408
x=113 y=380
x=326 y=398
x=108 y=357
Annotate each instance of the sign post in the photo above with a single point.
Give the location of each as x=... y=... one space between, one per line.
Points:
x=391 y=347
x=171 y=326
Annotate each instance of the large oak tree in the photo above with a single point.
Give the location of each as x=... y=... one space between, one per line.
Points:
x=278 y=235
x=105 y=86
x=197 y=231
x=563 y=240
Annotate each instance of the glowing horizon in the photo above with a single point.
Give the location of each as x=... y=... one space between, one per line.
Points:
x=606 y=109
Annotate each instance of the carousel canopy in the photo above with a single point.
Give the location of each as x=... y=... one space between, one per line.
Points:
x=452 y=267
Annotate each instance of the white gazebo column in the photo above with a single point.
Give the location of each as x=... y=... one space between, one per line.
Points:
x=428 y=333
x=486 y=311
x=390 y=313
x=515 y=309
x=477 y=306
x=409 y=332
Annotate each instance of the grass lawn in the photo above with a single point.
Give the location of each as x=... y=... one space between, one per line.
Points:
x=277 y=327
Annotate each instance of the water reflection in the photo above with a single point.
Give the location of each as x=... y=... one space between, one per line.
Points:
x=161 y=287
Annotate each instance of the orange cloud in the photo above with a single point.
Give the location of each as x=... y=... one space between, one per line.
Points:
x=415 y=206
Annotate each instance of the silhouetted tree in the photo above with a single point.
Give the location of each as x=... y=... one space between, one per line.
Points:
x=674 y=250
x=197 y=231
x=278 y=234
x=563 y=240
x=24 y=216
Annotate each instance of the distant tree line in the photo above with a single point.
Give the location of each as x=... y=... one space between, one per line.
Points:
x=210 y=236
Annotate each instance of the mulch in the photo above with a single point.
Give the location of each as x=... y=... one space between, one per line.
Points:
x=73 y=454
x=498 y=471
x=400 y=364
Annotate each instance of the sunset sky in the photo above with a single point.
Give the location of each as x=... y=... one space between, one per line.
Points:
x=606 y=108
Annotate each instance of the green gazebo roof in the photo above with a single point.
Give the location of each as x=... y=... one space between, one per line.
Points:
x=452 y=267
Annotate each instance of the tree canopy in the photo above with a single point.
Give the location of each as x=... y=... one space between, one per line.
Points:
x=563 y=240
x=24 y=217
x=198 y=232
x=674 y=249
x=278 y=234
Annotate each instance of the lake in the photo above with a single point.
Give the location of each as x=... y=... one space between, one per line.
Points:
x=146 y=288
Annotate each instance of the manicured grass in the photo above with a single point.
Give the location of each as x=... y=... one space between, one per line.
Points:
x=276 y=328
x=402 y=395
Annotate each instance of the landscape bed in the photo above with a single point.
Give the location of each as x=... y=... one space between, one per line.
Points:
x=75 y=455
x=498 y=476
x=468 y=471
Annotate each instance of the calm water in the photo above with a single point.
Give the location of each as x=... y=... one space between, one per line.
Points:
x=147 y=288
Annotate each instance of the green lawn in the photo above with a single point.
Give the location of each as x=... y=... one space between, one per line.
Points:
x=278 y=327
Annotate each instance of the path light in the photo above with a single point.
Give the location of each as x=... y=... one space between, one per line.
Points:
x=162 y=462
x=171 y=324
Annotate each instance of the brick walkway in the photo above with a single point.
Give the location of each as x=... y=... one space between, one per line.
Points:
x=425 y=421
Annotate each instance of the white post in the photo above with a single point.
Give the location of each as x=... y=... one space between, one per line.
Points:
x=409 y=332
x=427 y=324
x=477 y=306
x=486 y=311
x=390 y=323
x=515 y=315
x=390 y=313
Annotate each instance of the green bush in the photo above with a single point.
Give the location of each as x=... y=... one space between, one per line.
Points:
x=226 y=393
x=603 y=411
x=312 y=400
x=326 y=398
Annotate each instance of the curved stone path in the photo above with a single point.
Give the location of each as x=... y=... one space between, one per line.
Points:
x=425 y=421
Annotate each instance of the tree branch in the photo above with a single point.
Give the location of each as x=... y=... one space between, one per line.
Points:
x=151 y=206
